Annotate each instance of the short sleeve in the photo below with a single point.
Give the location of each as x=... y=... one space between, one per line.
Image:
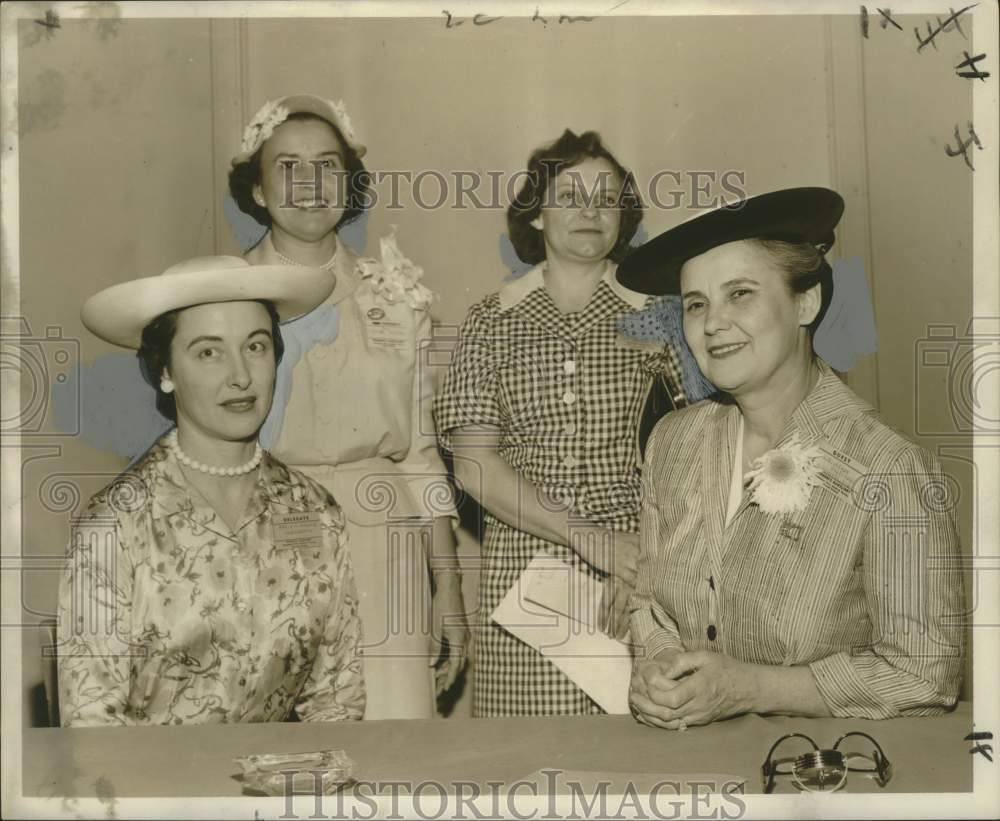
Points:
x=469 y=395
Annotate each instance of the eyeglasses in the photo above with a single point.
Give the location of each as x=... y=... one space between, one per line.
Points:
x=825 y=770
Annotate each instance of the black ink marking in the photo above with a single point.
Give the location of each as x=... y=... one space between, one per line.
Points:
x=985 y=749
x=484 y=20
x=51 y=20
x=986 y=735
x=864 y=22
x=963 y=146
x=539 y=17
x=887 y=18
x=448 y=24
x=969 y=62
x=565 y=18
x=945 y=26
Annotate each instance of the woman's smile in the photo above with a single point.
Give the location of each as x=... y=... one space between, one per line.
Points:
x=723 y=351
x=242 y=404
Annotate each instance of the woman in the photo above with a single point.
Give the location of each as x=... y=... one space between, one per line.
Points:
x=540 y=404
x=786 y=531
x=209 y=583
x=353 y=403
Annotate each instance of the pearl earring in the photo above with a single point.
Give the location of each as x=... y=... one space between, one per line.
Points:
x=166 y=386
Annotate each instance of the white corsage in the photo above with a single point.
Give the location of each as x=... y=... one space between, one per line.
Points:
x=395 y=278
x=782 y=479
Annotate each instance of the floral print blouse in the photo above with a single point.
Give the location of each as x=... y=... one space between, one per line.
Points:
x=166 y=616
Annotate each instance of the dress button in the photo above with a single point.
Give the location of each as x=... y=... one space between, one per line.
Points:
x=140 y=713
x=243 y=682
x=569 y=366
x=242 y=607
x=711 y=632
x=571 y=462
x=569 y=397
x=569 y=428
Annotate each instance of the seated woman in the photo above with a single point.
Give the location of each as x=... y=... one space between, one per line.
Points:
x=828 y=583
x=209 y=583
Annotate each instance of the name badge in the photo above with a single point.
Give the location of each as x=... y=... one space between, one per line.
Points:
x=296 y=531
x=840 y=472
x=385 y=332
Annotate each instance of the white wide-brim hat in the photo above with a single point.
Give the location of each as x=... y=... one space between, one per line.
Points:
x=118 y=314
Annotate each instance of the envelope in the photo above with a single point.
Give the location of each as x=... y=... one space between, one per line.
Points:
x=555 y=609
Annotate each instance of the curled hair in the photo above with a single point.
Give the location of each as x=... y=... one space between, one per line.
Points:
x=804 y=267
x=154 y=352
x=544 y=166
x=245 y=175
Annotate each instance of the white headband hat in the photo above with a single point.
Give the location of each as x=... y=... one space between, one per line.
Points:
x=274 y=112
x=118 y=314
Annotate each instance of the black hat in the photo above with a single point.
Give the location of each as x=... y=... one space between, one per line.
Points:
x=793 y=214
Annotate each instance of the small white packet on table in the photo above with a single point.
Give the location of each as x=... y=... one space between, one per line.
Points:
x=287 y=773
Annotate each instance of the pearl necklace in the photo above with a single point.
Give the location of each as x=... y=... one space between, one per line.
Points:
x=289 y=261
x=212 y=470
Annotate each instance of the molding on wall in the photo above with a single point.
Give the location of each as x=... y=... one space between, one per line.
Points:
x=227 y=47
x=846 y=118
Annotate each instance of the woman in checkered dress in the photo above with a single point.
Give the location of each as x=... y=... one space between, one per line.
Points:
x=540 y=404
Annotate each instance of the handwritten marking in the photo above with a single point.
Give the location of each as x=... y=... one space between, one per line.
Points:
x=969 y=62
x=539 y=17
x=448 y=24
x=887 y=18
x=952 y=20
x=864 y=21
x=963 y=146
x=51 y=20
x=484 y=20
x=565 y=18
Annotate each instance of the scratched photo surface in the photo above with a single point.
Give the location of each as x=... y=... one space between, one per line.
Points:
x=123 y=125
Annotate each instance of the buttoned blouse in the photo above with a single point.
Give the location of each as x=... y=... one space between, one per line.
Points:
x=563 y=389
x=863 y=585
x=167 y=616
x=354 y=399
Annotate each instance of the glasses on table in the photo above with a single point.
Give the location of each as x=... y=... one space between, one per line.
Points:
x=825 y=770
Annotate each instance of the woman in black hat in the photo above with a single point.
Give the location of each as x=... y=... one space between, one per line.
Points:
x=786 y=531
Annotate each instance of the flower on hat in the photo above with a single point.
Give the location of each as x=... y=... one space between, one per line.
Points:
x=343 y=121
x=262 y=126
x=395 y=278
x=782 y=479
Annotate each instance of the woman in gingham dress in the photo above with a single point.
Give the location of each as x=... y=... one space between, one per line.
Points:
x=540 y=404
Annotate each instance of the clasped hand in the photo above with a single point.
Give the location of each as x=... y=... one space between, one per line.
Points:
x=681 y=689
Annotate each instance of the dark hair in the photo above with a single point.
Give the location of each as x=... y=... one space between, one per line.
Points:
x=245 y=175
x=154 y=352
x=804 y=266
x=543 y=166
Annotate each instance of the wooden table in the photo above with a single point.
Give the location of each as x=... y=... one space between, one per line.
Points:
x=928 y=754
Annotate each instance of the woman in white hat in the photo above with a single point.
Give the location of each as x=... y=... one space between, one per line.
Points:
x=352 y=407
x=798 y=555
x=209 y=583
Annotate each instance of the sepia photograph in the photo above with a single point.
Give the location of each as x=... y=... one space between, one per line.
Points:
x=500 y=409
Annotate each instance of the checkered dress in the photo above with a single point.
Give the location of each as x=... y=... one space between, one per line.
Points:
x=565 y=393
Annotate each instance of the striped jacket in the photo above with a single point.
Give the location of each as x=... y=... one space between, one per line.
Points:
x=863 y=585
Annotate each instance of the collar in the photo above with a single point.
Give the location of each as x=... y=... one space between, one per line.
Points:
x=515 y=292
x=170 y=492
x=829 y=400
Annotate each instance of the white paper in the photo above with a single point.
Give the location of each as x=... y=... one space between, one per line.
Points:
x=555 y=609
